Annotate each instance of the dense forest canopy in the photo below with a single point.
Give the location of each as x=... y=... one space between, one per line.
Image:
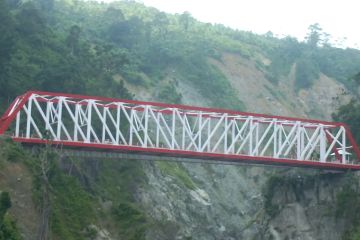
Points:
x=79 y=47
x=83 y=47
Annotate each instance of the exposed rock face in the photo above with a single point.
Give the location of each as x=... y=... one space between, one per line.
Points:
x=230 y=202
x=262 y=96
x=226 y=204
x=307 y=207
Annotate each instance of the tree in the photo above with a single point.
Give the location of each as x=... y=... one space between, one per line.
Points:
x=161 y=23
x=73 y=39
x=31 y=21
x=307 y=71
x=45 y=167
x=127 y=33
x=314 y=34
x=46 y=5
x=185 y=20
x=350 y=113
x=5 y=204
x=112 y=14
x=7 y=43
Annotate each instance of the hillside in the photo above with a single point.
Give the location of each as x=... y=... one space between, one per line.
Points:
x=126 y=50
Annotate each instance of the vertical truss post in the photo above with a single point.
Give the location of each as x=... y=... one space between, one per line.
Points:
x=250 y=150
x=256 y=150
x=76 y=121
x=173 y=128
x=302 y=141
x=208 y=136
x=103 y=135
x=343 y=145
x=28 y=118
x=47 y=116
x=226 y=122
x=131 y=126
x=199 y=131
x=118 y=119
x=146 y=116
x=183 y=138
x=59 y=118
x=88 y=120
x=275 y=137
x=233 y=127
x=299 y=140
x=157 y=144
x=322 y=144
x=280 y=144
x=17 y=129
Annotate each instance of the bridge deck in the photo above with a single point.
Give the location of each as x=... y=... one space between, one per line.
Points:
x=93 y=150
x=76 y=121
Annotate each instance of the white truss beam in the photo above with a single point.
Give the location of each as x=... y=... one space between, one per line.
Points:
x=147 y=125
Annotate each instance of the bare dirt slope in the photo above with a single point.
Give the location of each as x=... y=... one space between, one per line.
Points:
x=17 y=180
x=262 y=96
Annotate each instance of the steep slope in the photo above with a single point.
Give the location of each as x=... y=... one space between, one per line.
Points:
x=262 y=96
x=230 y=202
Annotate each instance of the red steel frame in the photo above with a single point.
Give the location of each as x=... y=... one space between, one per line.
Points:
x=11 y=113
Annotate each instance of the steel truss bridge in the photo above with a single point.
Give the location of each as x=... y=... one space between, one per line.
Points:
x=148 y=128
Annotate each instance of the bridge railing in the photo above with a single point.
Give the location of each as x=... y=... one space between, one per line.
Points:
x=84 y=121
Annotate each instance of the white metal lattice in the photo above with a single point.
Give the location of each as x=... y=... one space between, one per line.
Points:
x=75 y=119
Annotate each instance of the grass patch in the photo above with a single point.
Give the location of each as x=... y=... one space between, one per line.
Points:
x=10 y=150
x=178 y=172
x=211 y=83
x=117 y=182
x=72 y=208
x=348 y=207
x=169 y=94
x=8 y=228
x=131 y=219
x=276 y=94
x=295 y=183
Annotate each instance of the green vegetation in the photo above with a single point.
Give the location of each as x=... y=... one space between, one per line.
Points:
x=212 y=83
x=312 y=57
x=71 y=206
x=117 y=182
x=75 y=192
x=169 y=94
x=293 y=184
x=274 y=182
x=178 y=172
x=306 y=72
x=350 y=113
x=9 y=152
x=348 y=207
x=75 y=46
x=8 y=229
x=131 y=219
x=348 y=200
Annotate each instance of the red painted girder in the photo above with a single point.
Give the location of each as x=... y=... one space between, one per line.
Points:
x=185 y=154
